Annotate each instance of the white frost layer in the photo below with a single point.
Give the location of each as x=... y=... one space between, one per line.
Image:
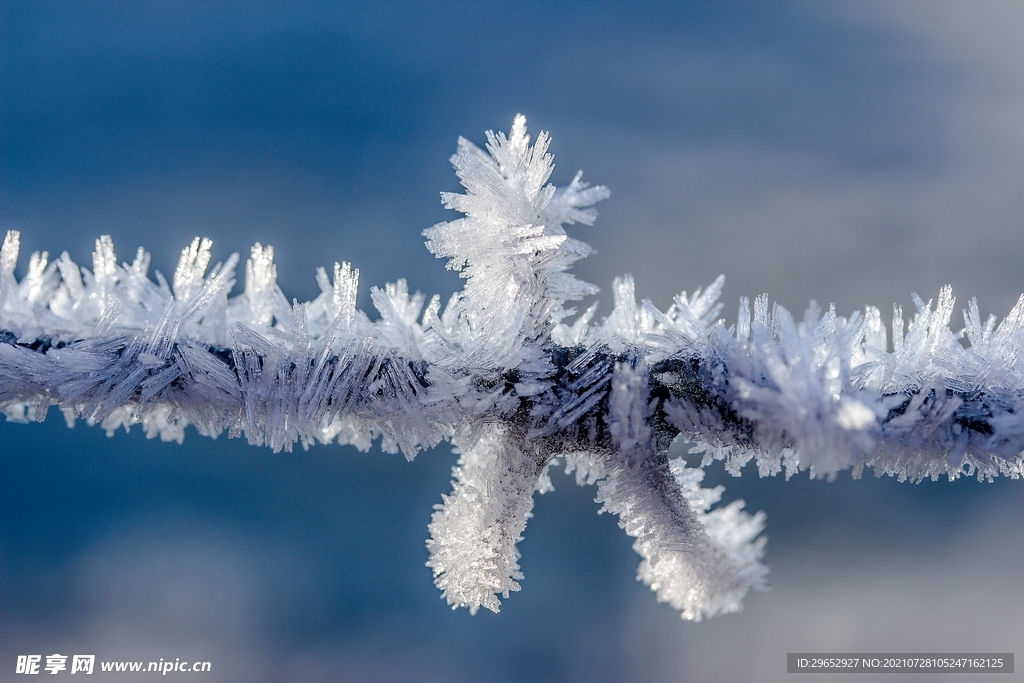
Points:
x=700 y=561
x=473 y=534
x=506 y=374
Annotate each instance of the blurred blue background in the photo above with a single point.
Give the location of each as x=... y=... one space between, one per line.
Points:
x=851 y=153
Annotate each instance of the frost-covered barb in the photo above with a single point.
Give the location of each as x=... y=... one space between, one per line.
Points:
x=509 y=376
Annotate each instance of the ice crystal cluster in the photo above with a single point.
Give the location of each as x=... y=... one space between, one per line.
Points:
x=518 y=382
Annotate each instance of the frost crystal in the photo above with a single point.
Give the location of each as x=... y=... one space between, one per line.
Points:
x=516 y=388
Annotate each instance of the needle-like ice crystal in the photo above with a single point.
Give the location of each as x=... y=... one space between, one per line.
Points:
x=509 y=376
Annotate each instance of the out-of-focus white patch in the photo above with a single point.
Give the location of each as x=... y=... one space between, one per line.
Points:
x=853 y=414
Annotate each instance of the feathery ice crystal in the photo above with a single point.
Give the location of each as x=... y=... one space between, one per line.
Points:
x=514 y=387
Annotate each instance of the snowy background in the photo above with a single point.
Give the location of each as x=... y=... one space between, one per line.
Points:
x=848 y=154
